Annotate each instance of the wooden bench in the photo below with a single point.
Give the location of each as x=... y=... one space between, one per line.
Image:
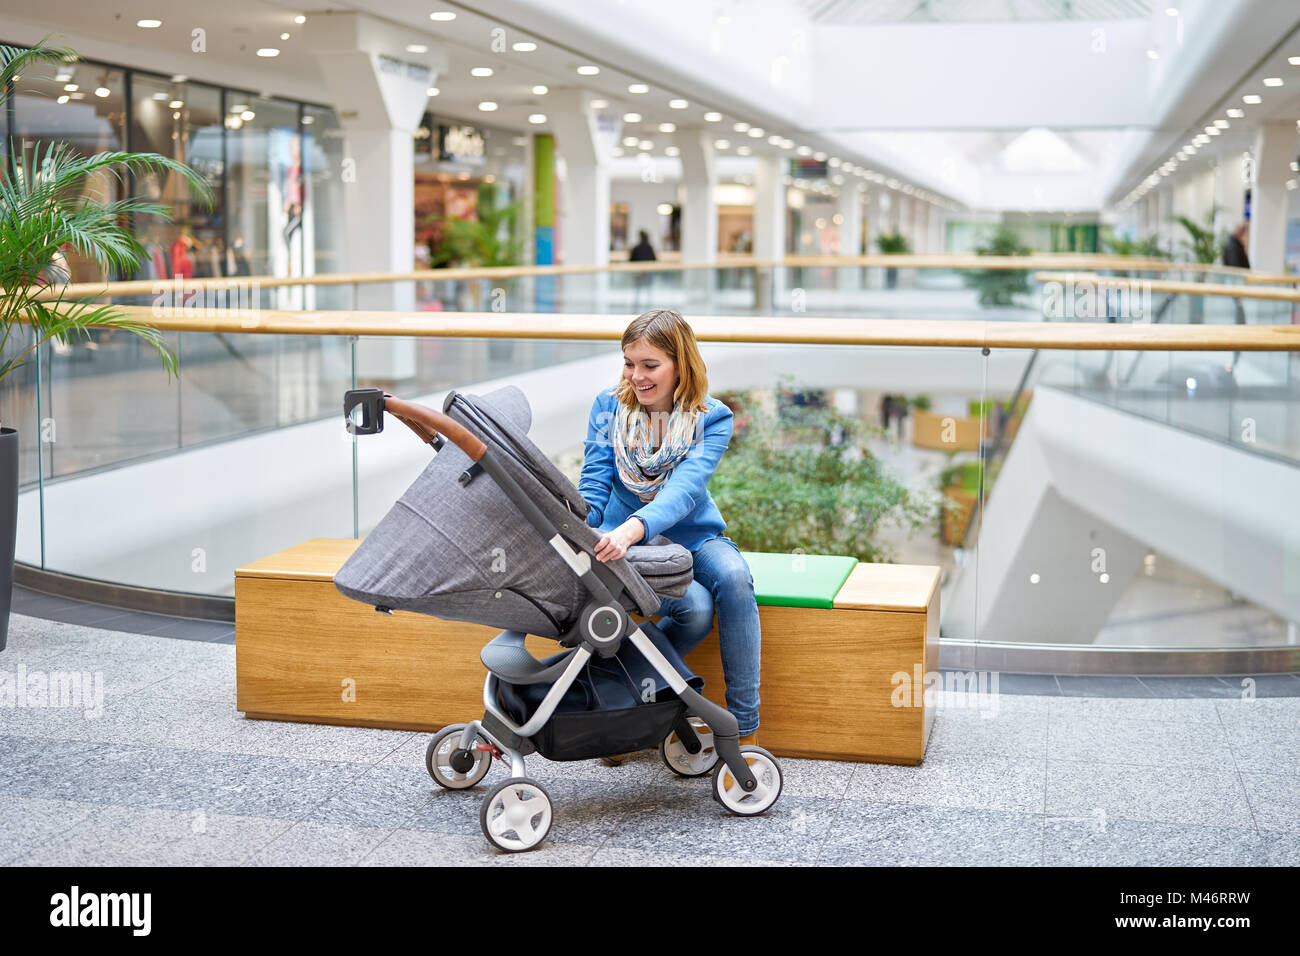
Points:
x=837 y=635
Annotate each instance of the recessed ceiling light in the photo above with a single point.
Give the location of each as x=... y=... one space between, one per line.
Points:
x=148 y=24
x=524 y=46
x=487 y=106
x=481 y=71
x=272 y=51
x=1272 y=81
x=631 y=117
x=600 y=104
x=71 y=87
x=756 y=132
x=62 y=99
x=433 y=91
x=678 y=104
x=540 y=90
x=537 y=119
x=721 y=144
x=1293 y=60
x=442 y=16
x=1222 y=124
x=820 y=157
x=804 y=151
x=1236 y=113
x=775 y=140
x=247 y=115
x=1252 y=99
x=740 y=127
x=1213 y=130
x=179 y=77
x=630 y=141
x=300 y=19
x=712 y=117
x=672 y=150
x=588 y=70
x=284 y=36
x=645 y=144
x=667 y=127
x=834 y=162
x=638 y=88
x=787 y=144
x=175 y=104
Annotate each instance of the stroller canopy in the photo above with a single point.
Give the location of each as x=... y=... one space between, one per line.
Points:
x=464 y=552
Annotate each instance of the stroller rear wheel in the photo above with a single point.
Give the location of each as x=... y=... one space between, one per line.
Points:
x=684 y=763
x=728 y=791
x=451 y=767
x=516 y=815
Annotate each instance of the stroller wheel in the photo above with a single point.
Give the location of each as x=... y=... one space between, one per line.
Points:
x=684 y=763
x=516 y=815
x=444 y=756
x=728 y=792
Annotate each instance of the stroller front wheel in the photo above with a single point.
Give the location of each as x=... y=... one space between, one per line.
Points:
x=516 y=815
x=728 y=791
x=451 y=767
x=680 y=760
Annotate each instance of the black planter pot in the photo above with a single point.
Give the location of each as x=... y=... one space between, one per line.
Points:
x=8 y=523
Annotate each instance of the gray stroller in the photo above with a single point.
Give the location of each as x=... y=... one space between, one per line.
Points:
x=491 y=532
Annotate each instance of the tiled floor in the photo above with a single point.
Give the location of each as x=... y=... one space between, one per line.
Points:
x=162 y=770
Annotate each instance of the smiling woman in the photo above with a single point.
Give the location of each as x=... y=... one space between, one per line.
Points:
x=653 y=442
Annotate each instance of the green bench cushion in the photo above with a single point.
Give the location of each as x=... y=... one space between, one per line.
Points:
x=798 y=580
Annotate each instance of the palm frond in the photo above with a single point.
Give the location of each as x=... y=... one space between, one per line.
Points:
x=16 y=60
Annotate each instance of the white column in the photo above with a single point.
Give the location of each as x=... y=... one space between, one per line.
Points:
x=850 y=233
x=585 y=138
x=938 y=228
x=1230 y=192
x=769 y=225
x=380 y=92
x=1274 y=151
x=699 y=209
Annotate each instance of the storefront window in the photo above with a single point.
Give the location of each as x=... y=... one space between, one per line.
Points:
x=323 y=227
x=264 y=149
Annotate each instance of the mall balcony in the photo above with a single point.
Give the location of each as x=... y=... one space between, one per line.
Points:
x=1093 y=455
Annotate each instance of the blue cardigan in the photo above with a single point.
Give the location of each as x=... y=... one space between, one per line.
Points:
x=683 y=510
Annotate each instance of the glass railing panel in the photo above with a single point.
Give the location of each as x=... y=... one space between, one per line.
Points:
x=19 y=410
x=185 y=520
x=1125 y=517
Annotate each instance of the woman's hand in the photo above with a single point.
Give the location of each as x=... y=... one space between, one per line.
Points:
x=614 y=544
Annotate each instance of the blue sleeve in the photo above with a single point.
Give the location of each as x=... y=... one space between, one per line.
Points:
x=597 y=461
x=689 y=481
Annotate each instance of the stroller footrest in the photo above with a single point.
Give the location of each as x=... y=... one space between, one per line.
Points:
x=506 y=656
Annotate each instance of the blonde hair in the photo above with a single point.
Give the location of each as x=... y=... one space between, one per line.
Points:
x=667 y=331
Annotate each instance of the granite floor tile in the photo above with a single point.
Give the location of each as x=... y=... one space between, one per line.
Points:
x=959 y=780
x=1199 y=796
x=389 y=797
x=1101 y=842
x=893 y=834
x=1113 y=687
x=1022 y=736
x=626 y=857
x=28 y=822
x=1283 y=848
x=1265 y=750
x=320 y=844
x=1273 y=799
x=1264 y=685
x=1115 y=740
x=136 y=836
x=679 y=819
x=422 y=848
x=1261 y=715
x=1192 y=687
x=1167 y=709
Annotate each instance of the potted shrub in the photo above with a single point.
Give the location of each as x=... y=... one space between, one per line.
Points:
x=42 y=210
x=1202 y=245
x=960 y=485
x=893 y=244
x=999 y=287
x=810 y=483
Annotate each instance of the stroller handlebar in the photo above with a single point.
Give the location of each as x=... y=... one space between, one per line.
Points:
x=429 y=424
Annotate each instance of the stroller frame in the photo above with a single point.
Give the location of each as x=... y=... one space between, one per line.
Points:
x=521 y=805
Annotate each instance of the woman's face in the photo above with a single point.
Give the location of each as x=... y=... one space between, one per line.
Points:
x=652 y=374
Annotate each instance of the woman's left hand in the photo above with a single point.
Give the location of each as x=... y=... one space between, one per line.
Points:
x=614 y=544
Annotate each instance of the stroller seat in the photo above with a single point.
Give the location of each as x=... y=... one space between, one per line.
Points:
x=506 y=656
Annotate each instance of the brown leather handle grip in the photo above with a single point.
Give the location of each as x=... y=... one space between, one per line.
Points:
x=428 y=424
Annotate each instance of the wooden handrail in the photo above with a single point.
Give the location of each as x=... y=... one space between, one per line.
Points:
x=90 y=290
x=1272 y=279
x=800 y=330
x=1177 y=288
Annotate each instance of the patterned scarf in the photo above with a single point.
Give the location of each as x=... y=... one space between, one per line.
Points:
x=644 y=469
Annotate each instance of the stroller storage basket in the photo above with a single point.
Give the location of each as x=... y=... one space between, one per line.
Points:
x=579 y=735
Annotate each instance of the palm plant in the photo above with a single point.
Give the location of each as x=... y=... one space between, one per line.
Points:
x=43 y=209
x=1202 y=244
x=1148 y=248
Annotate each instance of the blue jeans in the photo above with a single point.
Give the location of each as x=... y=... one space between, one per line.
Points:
x=722 y=581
